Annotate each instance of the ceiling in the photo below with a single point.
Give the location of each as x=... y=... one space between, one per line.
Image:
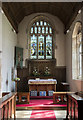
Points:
x=65 y=11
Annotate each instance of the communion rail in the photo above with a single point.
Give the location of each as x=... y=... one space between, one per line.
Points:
x=74 y=106
x=60 y=97
x=8 y=105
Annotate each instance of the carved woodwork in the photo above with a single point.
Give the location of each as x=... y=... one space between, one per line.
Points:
x=41 y=66
x=58 y=73
x=23 y=97
x=74 y=106
x=43 y=85
x=60 y=97
x=8 y=106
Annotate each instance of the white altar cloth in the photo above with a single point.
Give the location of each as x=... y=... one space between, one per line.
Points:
x=42 y=81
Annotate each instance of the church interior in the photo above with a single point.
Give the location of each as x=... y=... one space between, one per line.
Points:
x=41 y=60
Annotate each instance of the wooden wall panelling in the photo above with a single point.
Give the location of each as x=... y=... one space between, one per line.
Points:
x=57 y=72
x=41 y=66
x=60 y=75
x=22 y=85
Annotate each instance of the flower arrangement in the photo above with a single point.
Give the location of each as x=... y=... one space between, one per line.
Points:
x=16 y=79
x=47 y=71
x=35 y=72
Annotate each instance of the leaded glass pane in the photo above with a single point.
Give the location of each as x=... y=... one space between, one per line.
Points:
x=35 y=29
x=45 y=23
x=41 y=47
x=43 y=29
x=33 y=52
x=79 y=39
x=50 y=30
x=48 y=47
x=37 y=23
x=34 y=24
x=38 y=48
x=41 y=23
x=31 y=29
x=46 y=29
x=80 y=60
x=39 y=29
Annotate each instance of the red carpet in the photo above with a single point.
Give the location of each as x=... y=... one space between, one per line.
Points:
x=43 y=115
x=41 y=103
x=41 y=97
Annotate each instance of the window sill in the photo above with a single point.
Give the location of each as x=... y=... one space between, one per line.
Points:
x=78 y=79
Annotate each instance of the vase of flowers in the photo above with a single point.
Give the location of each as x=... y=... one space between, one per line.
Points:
x=16 y=79
x=35 y=72
x=47 y=71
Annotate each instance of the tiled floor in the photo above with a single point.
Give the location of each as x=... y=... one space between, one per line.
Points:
x=60 y=114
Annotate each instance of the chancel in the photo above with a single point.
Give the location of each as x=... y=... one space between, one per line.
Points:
x=41 y=60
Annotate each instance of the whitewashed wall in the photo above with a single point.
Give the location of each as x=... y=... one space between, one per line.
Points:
x=59 y=37
x=0 y=47
x=75 y=85
x=9 y=41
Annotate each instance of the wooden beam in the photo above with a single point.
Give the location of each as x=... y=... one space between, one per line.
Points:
x=10 y=17
x=13 y=13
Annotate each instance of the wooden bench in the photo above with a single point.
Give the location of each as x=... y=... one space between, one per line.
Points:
x=8 y=106
x=60 y=97
x=23 y=97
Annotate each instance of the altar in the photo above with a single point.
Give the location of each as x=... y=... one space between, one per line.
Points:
x=42 y=85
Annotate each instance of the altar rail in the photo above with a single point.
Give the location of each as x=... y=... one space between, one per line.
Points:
x=22 y=97
x=74 y=106
x=60 y=97
x=8 y=106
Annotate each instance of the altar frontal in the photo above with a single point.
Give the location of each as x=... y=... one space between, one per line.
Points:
x=42 y=86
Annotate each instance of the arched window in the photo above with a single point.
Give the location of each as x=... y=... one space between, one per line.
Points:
x=77 y=52
x=41 y=40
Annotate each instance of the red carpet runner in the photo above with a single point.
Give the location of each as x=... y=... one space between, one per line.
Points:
x=43 y=115
x=40 y=113
x=40 y=103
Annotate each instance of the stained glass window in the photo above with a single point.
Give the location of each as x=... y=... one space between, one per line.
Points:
x=31 y=29
x=43 y=29
x=41 y=23
x=41 y=40
x=50 y=30
x=33 y=23
x=48 y=47
x=46 y=29
x=33 y=47
x=37 y=23
x=35 y=29
x=41 y=47
x=45 y=23
x=39 y=29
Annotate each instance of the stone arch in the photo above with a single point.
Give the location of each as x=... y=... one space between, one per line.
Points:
x=44 y=18
x=77 y=29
